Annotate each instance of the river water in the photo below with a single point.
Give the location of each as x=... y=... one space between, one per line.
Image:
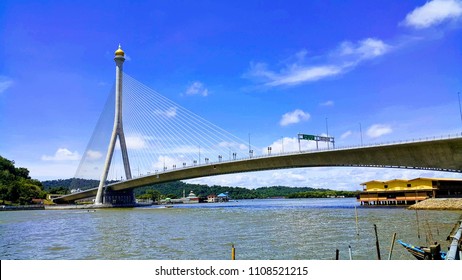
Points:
x=259 y=229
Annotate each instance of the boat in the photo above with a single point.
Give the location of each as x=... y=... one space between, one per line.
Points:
x=425 y=253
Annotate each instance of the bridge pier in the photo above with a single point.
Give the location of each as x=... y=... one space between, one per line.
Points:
x=123 y=198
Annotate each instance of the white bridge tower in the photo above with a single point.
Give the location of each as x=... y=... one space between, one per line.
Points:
x=117 y=131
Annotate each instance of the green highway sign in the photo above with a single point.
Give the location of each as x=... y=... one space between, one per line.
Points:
x=307 y=137
x=315 y=138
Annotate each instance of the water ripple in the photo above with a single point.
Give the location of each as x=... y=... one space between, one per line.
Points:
x=259 y=229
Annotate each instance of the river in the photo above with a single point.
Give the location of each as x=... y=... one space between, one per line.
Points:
x=259 y=229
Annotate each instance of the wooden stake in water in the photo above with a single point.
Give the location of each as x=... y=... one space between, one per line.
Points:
x=417 y=218
x=233 y=252
x=392 y=245
x=377 y=242
x=356 y=214
x=337 y=254
x=349 y=251
x=429 y=233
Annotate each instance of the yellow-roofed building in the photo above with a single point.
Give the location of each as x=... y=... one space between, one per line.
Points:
x=403 y=192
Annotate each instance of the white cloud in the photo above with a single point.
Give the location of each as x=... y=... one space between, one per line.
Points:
x=305 y=74
x=294 y=117
x=5 y=83
x=364 y=49
x=346 y=134
x=378 y=130
x=169 y=113
x=342 y=59
x=62 y=154
x=197 y=88
x=135 y=142
x=288 y=175
x=327 y=103
x=94 y=155
x=168 y=162
x=225 y=144
x=50 y=170
x=433 y=13
x=288 y=145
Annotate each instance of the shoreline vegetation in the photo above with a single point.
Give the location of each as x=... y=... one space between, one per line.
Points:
x=16 y=186
x=175 y=190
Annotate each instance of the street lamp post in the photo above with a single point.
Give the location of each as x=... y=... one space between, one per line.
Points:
x=282 y=146
x=250 y=148
x=460 y=108
x=327 y=133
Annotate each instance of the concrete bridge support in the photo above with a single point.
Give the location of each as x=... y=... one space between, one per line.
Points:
x=123 y=198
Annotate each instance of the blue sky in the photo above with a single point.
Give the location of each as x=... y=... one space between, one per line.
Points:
x=268 y=68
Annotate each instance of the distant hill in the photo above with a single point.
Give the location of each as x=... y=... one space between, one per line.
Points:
x=175 y=189
x=72 y=183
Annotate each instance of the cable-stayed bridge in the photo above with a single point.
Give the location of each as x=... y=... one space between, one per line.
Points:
x=159 y=141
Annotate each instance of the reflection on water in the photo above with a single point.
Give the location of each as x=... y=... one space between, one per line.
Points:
x=259 y=229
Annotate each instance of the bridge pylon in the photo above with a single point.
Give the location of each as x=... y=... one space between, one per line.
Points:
x=102 y=197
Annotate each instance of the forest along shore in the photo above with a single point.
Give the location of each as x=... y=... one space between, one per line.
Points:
x=438 y=204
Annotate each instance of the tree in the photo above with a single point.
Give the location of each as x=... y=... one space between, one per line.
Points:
x=59 y=190
x=172 y=196
x=22 y=172
x=15 y=184
x=154 y=195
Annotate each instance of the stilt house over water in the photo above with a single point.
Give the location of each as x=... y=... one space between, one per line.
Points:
x=406 y=192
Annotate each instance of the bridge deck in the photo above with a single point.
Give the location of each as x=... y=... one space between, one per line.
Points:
x=437 y=154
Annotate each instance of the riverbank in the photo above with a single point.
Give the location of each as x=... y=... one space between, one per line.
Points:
x=88 y=206
x=21 y=207
x=65 y=207
x=438 y=204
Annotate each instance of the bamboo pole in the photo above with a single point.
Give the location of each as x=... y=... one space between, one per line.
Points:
x=233 y=252
x=377 y=245
x=337 y=254
x=392 y=245
x=417 y=218
x=349 y=251
x=356 y=214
